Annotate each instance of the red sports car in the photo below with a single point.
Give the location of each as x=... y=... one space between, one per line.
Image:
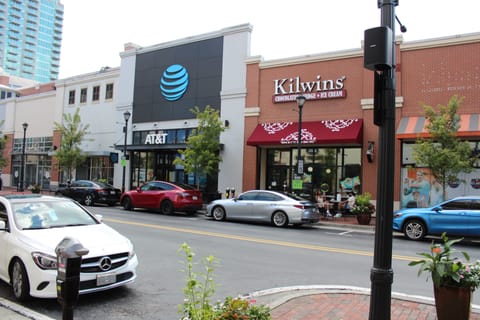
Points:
x=167 y=197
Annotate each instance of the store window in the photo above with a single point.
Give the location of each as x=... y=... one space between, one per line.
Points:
x=100 y=169
x=420 y=188
x=326 y=170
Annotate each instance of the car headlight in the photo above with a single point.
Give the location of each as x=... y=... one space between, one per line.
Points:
x=44 y=261
x=131 y=254
x=397 y=214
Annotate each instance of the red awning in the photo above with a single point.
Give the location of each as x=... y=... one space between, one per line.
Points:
x=313 y=132
x=414 y=127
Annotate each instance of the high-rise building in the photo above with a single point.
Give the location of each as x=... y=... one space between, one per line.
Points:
x=30 y=38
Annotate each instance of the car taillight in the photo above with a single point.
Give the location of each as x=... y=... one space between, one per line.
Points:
x=181 y=195
x=299 y=206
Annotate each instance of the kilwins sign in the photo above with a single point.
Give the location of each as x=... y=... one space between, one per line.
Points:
x=287 y=89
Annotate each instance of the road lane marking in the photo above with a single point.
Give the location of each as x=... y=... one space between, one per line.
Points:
x=258 y=240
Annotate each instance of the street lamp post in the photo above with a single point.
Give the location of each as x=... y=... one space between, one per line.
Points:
x=22 y=168
x=381 y=274
x=300 y=103
x=126 y=116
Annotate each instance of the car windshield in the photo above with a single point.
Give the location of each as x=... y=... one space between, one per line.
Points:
x=50 y=214
x=103 y=184
x=293 y=196
x=185 y=186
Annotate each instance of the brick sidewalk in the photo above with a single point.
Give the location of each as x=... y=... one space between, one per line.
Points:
x=350 y=306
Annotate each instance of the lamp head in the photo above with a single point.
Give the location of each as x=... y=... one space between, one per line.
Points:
x=301 y=101
x=25 y=126
x=126 y=115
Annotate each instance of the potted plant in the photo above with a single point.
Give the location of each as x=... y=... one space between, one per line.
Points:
x=454 y=280
x=34 y=188
x=363 y=208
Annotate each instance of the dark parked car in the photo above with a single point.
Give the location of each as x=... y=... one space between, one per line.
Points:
x=91 y=192
x=164 y=196
x=277 y=208
x=458 y=216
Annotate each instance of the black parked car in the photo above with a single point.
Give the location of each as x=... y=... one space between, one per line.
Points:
x=91 y=192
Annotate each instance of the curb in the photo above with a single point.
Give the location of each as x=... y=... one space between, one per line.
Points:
x=278 y=296
x=19 y=312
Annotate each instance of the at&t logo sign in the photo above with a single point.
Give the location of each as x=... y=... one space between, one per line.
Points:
x=174 y=82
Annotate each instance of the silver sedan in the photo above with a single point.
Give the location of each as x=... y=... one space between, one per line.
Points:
x=280 y=209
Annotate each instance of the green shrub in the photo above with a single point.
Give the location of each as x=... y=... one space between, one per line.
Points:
x=200 y=287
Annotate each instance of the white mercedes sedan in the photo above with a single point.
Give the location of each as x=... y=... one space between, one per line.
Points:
x=32 y=226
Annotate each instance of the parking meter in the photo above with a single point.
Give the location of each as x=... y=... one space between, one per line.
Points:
x=69 y=259
x=232 y=192
x=227 y=193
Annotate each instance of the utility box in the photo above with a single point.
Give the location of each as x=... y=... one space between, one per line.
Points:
x=378 y=46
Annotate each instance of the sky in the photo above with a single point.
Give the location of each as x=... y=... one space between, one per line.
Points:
x=95 y=31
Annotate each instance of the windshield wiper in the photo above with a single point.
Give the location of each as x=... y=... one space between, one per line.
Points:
x=35 y=228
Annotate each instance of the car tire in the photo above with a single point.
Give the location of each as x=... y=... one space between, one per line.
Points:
x=88 y=200
x=166 y=207
x=280 y=219
x=127 y=204
x=218 y=213
x=19 y=281
x=414 y=229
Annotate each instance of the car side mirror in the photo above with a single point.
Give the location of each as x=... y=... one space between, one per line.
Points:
x=138 y=189
x=436 y=209
x=3 y=226
x=99 y=217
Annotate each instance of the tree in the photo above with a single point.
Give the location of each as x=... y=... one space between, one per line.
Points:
x=202 y=154
x=444 y=153
x=3 y=141
x=72 y=133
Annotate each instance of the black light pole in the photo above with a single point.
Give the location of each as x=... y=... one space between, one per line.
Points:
x=381 y=274
x=126 y=116
x=22 y=168
x=300 y=103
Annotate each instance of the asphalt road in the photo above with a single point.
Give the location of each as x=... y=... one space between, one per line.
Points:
x=252 y=257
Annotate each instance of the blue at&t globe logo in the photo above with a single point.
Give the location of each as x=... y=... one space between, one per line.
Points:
x=174 y=82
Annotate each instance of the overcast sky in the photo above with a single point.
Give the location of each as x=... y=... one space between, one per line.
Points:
x=94 y=31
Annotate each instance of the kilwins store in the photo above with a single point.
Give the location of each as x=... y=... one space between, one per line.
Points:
x=339 y=142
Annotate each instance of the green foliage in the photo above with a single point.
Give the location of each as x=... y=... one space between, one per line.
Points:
x=202 y=154
x=446 y=270
x=363 y=205
x=72 y=131
x=241 y=309
x=3 y=142
x=444 y=153
x=200 y=287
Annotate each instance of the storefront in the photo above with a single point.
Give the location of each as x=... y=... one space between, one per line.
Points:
x=330 y=152
x=339 y=90
x=169 y=81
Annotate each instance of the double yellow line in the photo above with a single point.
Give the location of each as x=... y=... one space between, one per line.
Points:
x=258 y=240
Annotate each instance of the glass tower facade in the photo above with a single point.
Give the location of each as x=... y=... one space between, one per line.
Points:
x=30 y=38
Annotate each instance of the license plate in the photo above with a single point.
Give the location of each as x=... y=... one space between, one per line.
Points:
x=104 y=279
x=195 y=198
x=112 y=192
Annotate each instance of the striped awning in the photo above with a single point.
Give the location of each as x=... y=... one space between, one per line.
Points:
x=414 y=127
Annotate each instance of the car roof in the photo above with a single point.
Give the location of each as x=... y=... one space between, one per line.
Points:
x=29 y=197
x=465 y=197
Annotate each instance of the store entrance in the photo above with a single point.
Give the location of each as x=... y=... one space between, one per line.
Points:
x=156 y=165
